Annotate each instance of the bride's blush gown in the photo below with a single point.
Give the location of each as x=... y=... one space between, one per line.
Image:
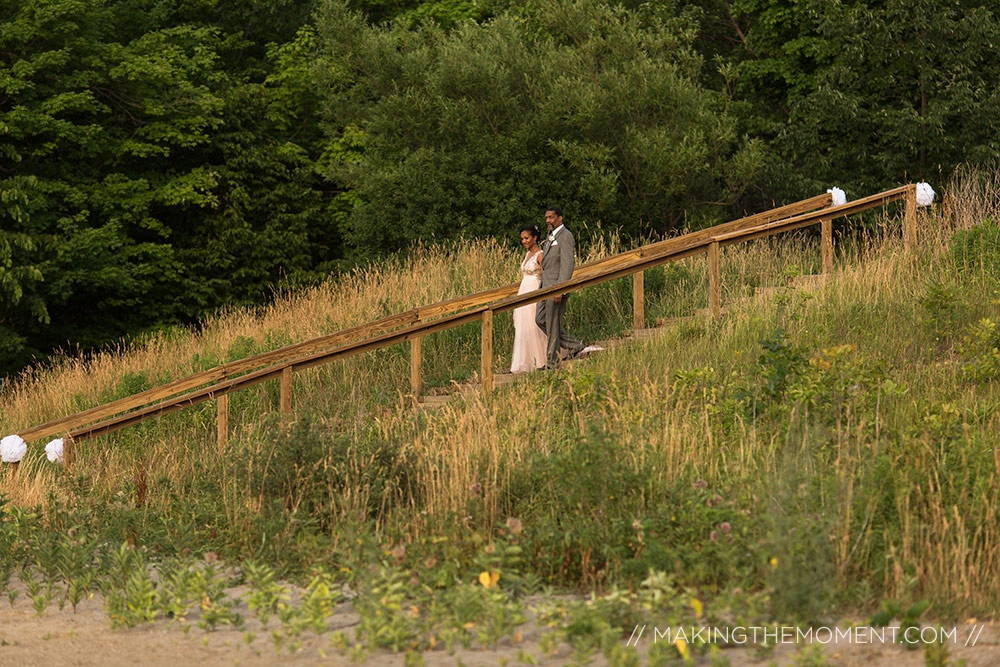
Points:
x=529 y=340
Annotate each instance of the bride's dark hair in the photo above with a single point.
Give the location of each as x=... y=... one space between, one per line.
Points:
x=531 y=229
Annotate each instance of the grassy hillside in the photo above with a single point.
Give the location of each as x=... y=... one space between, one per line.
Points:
x=821 y=450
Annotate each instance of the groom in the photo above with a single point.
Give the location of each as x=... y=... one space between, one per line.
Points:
x=557 y=267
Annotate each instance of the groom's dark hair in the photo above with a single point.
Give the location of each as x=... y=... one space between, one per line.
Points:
x=556 y=210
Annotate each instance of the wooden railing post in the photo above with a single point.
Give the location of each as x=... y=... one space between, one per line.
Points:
x=714 y=289
x=486 y=369
x=910 y=219
x=286 y=392
x=415 y=363
x=223 y=422
x=826 y=246
x=68 y=453
x=638 y=301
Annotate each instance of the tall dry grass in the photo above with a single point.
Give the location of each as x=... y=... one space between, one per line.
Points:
x=909 y=514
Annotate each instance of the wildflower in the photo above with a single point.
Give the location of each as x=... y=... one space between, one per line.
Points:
x=725 y=527
x=398 y=551
x=700 y=484
x=210 y=557
x=489 y=579
x=773 y=562
x=476 y=488
x=696 y=605
x=514 y=526
x=682 y=648
x=714 y=535
x=430 y=562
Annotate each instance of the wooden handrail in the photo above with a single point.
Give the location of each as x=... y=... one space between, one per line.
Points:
x=728 y=238
x=406 y=318
x=484 y=305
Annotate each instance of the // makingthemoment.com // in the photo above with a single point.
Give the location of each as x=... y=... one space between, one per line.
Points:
x=754 y=635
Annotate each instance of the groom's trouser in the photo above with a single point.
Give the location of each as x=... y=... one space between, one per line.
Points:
x=548 y=317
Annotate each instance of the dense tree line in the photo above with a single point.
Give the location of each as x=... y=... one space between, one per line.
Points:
x=162 y=158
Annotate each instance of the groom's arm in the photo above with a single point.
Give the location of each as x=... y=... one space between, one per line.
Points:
x=567 y=248
x=567 y=251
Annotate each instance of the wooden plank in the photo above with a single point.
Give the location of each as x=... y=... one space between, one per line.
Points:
x=68 y=453
x=286 y=392
x=415 y=363
x=638 y=301
x=910 y=220
x=686 y=240
x=486 y=358
x=807 y=219
x=714 y=289
x=223 y=422
x=826 y=246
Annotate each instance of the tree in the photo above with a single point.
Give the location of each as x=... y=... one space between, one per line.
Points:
x=863 y=94
x=475 y=130
x=159 y=163
x=910 y=93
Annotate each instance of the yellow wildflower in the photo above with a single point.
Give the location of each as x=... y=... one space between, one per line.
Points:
x=489 y=579
x=696 y=605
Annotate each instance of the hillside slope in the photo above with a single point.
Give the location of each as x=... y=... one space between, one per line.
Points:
x=819 y=450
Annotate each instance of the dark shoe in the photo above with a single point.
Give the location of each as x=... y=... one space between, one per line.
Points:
x=576 y=353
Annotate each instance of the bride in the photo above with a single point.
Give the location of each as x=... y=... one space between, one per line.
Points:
x=529 y=340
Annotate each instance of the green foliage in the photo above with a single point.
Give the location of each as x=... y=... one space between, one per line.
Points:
x=471 y=130
x=22 y=306
x=895 y=77
x=801 y=567
x=943 y=311
x=908 y=617
x=154 y=171
x=302 y=469
x=975 y=253
x=590 y=516
x=981 y=351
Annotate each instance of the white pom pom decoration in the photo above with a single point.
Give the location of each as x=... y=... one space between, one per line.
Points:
x=839 y=198
x=925 y=194
x=54 y=450
x=12 y=449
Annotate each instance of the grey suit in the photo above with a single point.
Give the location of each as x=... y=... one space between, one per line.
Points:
x=557 y=267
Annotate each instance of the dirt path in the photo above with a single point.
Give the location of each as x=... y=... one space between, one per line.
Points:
x=85 y=638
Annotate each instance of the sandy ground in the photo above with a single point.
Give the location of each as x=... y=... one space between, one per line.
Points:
x=62 y=637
